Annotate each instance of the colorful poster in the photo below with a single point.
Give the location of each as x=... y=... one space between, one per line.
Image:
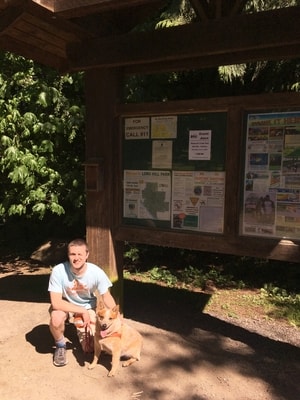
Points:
x=271 y=206
x=198 y=200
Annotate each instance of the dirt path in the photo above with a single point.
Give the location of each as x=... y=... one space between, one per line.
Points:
x=187 y=354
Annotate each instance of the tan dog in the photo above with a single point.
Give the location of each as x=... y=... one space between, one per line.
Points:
x=115 y=337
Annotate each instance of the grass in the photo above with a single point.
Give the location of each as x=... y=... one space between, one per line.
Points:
x=250 y=286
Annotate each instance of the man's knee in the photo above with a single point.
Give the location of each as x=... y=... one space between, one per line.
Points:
x=57 y=318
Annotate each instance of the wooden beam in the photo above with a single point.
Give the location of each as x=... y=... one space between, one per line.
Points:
x=8 y=17
x=102 y=92
x=7 y=43
x=218 y=8
x=227 y=37
x=46 y=18
x=284 y=53
x=79 y=8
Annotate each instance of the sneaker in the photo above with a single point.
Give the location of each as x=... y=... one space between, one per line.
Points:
x=60 y=357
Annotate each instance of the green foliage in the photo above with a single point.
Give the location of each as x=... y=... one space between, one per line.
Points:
x=277 y=281
x=296 y=87
x=178 y=12
x=163 y=275
x=198 y=278
x=264 y=5
x=287 y=305
x=227 y=80
x=131 y=253
x=41 y=141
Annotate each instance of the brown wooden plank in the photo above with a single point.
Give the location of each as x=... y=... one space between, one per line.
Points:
x=218 y=8
x=239 y=34
x=48 y=4
x=46 y=30
x=34 y=30
x=102 y=92
x=253 y=102
x=46 y=17
x=8 y=17
x=31 y=35
x=240 y=246
x=58 y=32
x=36 y=41
x=280 y=53
x=233 y=170
x=79 y=8
x=10 y=3
x=7 y=43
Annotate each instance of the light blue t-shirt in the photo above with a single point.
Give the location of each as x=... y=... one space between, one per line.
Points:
x=79 y=290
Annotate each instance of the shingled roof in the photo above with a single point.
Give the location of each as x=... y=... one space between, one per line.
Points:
x=71 y=35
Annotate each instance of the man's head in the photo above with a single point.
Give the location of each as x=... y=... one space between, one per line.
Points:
x=78 y=253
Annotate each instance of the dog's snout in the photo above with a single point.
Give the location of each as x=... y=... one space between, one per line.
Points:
x=104 y=326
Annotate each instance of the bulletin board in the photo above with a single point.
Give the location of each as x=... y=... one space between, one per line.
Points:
x=271 y=198
x=174 y=171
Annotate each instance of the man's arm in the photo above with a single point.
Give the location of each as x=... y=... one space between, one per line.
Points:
x=108 y=299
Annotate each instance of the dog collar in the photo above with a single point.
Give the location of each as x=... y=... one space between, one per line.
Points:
x=115 y=334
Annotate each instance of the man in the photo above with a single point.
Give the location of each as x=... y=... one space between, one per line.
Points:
x=268 y=207
x=72 y=287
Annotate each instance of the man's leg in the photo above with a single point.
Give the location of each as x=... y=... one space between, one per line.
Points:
x=57 y=329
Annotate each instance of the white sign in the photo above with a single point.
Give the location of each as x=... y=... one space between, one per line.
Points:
x=137 y=128
x=200 y=145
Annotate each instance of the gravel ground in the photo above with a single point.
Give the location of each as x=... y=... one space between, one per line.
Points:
x=188 y=354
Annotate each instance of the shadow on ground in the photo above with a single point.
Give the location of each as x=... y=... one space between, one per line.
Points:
x=181 y=311
x=40 y=338
x=29 y=288
x=177 y=314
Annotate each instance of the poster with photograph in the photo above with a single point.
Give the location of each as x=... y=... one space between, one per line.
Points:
x=271 y=206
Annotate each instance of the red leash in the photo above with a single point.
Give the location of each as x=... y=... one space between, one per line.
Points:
x=88 y=341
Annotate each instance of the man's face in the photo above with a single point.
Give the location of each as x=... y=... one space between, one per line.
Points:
x=77 y=257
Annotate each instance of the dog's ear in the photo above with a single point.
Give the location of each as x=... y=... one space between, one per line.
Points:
x=100 y=305
x=116 y=309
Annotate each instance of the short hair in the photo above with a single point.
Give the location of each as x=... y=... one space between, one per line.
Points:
x=78 y=242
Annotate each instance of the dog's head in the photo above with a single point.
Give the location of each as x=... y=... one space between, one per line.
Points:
x=107 y=317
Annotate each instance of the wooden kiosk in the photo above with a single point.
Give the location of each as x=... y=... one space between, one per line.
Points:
x=193 y=175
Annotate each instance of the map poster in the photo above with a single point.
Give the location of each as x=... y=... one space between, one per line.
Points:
x=198 y=200
x=272 y=175
x=147 y=194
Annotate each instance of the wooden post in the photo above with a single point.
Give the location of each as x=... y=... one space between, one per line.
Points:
x=102 y=161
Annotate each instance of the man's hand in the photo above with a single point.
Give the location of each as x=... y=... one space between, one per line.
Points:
x=86 y=319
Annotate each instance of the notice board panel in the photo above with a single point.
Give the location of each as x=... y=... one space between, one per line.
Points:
x=271 y=201
x=174 y=171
